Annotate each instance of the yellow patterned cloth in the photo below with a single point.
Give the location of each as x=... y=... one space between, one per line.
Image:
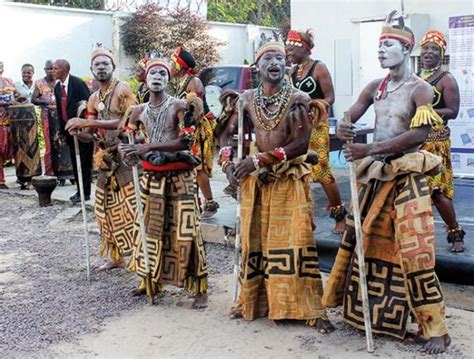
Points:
x=204 y=146
x=114 y=211
x=175 y=245
x=279 y=274
x=319 y=143
x=439 y=143
x=399 y=247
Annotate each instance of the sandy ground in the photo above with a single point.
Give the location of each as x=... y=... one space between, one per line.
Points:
x=49 y=310
x=172 y=329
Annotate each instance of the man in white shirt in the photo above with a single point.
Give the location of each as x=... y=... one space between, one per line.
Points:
x=25 y=87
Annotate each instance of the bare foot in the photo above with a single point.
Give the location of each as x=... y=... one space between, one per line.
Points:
x=324 y=326
x=340 y=227
x=436 y=345
x=458 y=246
x=200 y=301
x=235 y=313
x=138 y=292
x=112 y=264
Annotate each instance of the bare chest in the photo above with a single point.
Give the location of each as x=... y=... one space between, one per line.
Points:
x=393 y=112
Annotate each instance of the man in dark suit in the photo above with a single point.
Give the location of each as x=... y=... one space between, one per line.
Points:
x=69 y=91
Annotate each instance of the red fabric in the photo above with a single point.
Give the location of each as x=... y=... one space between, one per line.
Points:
x=173 y=166
x=64 y=103
x=6 y=152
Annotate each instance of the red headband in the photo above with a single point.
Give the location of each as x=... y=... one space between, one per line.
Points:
x=294 y=38
x=156 y=63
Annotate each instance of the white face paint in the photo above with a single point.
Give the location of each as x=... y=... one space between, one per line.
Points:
x=157 y=79
x=102 y=68
x=391 y=53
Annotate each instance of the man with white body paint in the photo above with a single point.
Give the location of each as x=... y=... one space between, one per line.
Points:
x=168 y=189
x=115 y=204
x=395 y=204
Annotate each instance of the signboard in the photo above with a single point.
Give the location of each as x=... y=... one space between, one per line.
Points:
x=461 y=53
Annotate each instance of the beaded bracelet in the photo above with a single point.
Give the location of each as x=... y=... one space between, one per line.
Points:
x=280 y=154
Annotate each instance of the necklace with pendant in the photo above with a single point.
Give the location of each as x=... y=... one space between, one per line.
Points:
x=102 y=98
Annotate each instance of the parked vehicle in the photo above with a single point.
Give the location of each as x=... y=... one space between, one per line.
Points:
x=219 y=78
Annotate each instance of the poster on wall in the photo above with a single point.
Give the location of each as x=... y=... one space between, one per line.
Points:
x=461 y=53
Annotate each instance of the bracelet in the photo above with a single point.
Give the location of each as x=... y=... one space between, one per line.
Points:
x=255 y=161
x=280 y=154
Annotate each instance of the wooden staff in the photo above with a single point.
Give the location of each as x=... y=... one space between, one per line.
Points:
x=83 y=203
x=240 y=150
x=360 y=249
x=141 y=221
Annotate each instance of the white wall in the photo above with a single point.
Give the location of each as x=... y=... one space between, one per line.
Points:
x=38 y=33
x=34 y=34
x=331 y=21
x=242 y=41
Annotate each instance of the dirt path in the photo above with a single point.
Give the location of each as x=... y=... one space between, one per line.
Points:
x=173 y=330
x=48 y=309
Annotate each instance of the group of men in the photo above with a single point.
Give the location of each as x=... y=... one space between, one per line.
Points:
x=171 y=139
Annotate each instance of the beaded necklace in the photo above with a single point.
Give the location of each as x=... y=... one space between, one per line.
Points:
x=270 y=119
x=427 y=73
x=301 y=69
x=154 y=119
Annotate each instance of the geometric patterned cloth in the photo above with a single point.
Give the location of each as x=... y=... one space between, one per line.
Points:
x=174 y=241
x=279 y=275
x=441 y=146
x=399 y=245
x=115 y=212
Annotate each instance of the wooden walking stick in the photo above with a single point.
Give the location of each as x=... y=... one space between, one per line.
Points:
x=83 y=204
x=141 y=221
x=240 y=150
x=360 y=249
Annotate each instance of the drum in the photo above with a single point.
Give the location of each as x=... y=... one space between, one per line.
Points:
x=60 y=153
x=25 y=144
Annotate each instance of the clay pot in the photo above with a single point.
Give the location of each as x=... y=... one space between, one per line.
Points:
x=44 y=186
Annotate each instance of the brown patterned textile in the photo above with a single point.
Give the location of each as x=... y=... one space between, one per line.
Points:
x=175 y=245
x=279 y=275
x=399 y=247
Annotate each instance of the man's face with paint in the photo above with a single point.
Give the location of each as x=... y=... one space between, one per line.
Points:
x=272 y=67
x=391 y=53
x=102 y=68
x=157 y=79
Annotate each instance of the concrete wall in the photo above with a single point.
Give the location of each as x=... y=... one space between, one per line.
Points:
x=37 y=33
x=34 y=34
x=338 y=27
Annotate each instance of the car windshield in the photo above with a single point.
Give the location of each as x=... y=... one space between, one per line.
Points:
x=224 y=77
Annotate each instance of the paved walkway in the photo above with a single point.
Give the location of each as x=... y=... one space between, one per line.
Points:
x=215 y=229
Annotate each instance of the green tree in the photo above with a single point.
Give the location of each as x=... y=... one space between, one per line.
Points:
x=260 y=12
x=81 y=4
x=152 y=28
